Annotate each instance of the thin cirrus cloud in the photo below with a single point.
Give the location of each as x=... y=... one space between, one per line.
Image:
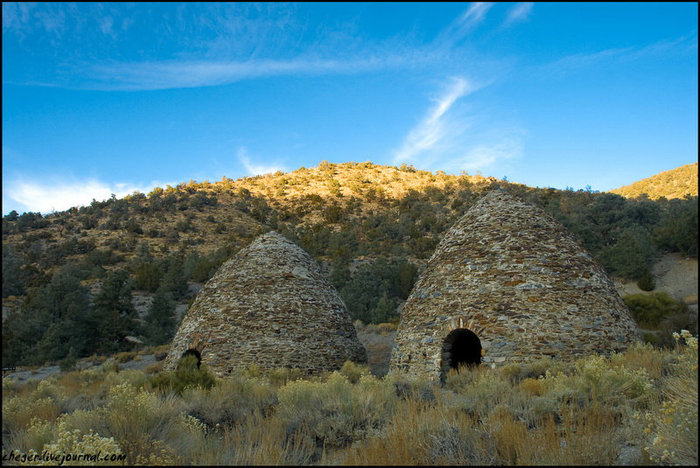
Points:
x=155 y=75
x=190 y=74
x=50 y=196
x=485 y=155
x=462 y=25
x=432 y=131
x=475 y=14
x=520 y=12
x=448 y=138
x=577 y=62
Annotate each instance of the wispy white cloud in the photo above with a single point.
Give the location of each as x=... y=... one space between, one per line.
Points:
x=581 y=61
x=684 y=44
x=487 y=155
x=106 y=23
x=451 y=139
x=217 y=44
x=434 y=127
x=46 y=196
x=462 y=25
x=189 y=74
x=255 y=168
x=475 y=14
x=25 y=17
x=519 y=12
x=576 y=62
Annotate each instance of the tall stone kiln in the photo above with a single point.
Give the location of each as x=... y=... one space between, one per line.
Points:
x=506 y=284
x=268 y=305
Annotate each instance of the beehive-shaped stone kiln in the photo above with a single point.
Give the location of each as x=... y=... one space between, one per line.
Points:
x=506 y=284
x=268 y=305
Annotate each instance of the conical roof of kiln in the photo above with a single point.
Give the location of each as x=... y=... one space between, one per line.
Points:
x=268 y=305
x=516 y=278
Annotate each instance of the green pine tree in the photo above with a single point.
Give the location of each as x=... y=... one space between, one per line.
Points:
x=114 y=312
x=160 y=320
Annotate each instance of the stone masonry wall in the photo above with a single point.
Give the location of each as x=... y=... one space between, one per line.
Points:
x=516 y=278
x=270 y=306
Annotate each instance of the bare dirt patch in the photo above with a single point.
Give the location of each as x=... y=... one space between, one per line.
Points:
x=675 y=275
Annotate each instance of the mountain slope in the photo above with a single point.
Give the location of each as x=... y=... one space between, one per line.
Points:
x=676 y=183
x=371 y=227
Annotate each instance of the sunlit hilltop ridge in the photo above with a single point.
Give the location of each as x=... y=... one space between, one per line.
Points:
x=676 y=183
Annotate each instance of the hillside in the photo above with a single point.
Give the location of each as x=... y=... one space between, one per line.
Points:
x=676 y=183
x=371 y=227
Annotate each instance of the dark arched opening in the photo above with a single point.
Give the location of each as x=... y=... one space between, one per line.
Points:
x=195 y=353
x=461 y=348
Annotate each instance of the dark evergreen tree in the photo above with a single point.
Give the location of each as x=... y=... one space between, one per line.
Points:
x=72 y=324
x=340 y=274
x=678 y=231
x=12 y=276
x=406 y=276
x=114 y=312
x=384 y=311
x=631 y=254
x=55 y=318
x=160 y=320
x=147 y=275
x=174 y=279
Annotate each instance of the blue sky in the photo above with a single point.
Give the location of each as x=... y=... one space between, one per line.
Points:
x=112 y=98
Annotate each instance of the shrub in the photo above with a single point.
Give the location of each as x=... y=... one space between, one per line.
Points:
x=532 y=386
x=335 y=412
x=18 y=412
x=594 y=379
x=138 y=420
x=353 y=371
x=282 y=375
x=125 y=356
x=73 y=443
x=230 y=402
x=531 y=370
x=646 y=282
x=648 y=310
x=416 y=434
x=69 y=362
x=481 y=388
x=186 y=375
x=672 y=428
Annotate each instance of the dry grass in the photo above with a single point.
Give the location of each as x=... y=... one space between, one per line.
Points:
x=596 y=411
x=377 y=340
x=672 y=426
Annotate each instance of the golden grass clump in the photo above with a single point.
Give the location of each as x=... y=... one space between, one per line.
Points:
x=353 y=372
x=421 y=434
x=231 y=401
x=335 y=412
x=636 y=407
x=137 y=419
x=19 y=407
x=672 y=427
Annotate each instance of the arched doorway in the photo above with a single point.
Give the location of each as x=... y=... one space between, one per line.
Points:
x=461 y=348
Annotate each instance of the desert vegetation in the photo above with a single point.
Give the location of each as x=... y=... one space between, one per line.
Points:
x=676 y=183
x=636 y=407
x=69 y=281
x=372 y=228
